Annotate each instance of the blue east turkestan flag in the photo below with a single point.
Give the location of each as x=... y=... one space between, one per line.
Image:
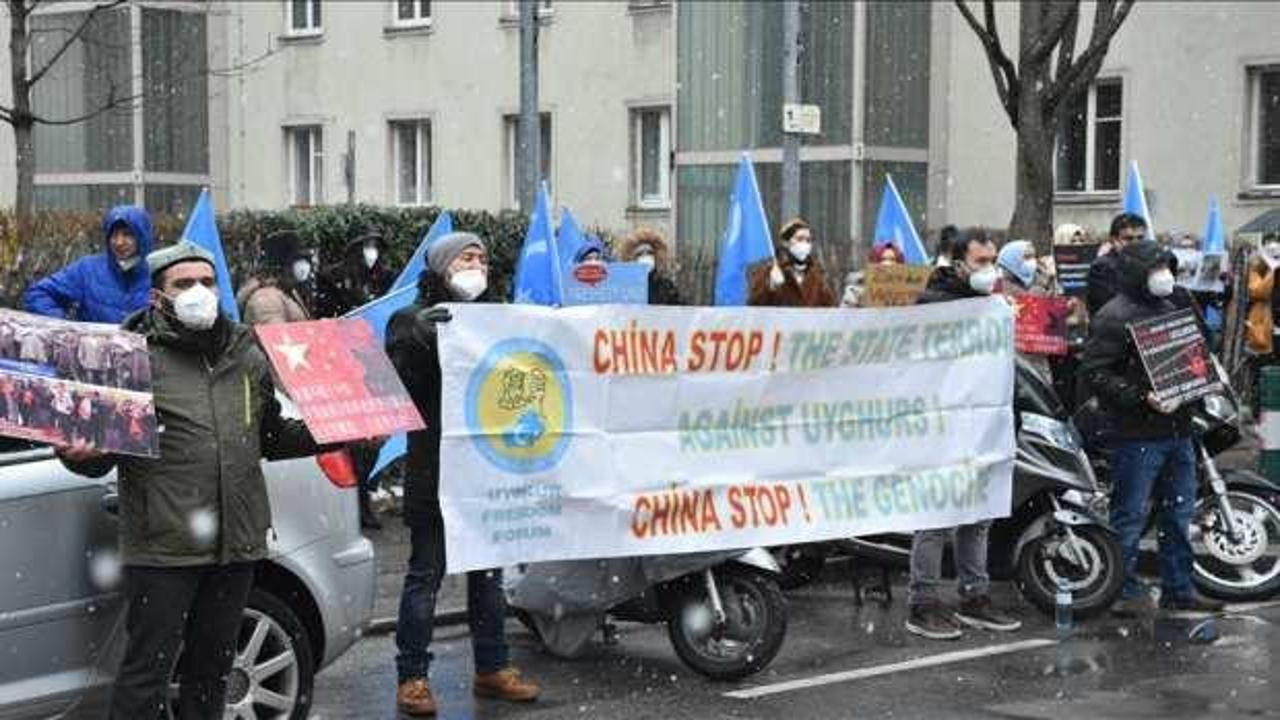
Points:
x=568 y=241
x=1215 y=235
x=538 y=272
x=893 y=225
x=1135 y=198
x=418 y=261
x=202 y=230
x=746 y=238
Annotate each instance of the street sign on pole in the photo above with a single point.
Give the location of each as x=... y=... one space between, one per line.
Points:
x=801 y=119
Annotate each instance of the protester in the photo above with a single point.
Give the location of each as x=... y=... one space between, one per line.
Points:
x=885 y=254
x=1152 y=449
x=457 y=271
x=104 y=287
x=1069 y=234
x=273 y=294
x=946 y=240
x=1103 y=281
x=1019 y=267
x=592 y=252
x=971 y=274
x=647 y=247
x=796 y=277
x=360 y=277
x=1262 y=321
x=194 y=520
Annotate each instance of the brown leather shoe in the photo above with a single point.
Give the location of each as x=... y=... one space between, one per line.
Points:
x=506 y=684
x=414 y=698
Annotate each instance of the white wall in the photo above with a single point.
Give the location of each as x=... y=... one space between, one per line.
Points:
x=463 y=74
x=8 y=167
x=1183 y=68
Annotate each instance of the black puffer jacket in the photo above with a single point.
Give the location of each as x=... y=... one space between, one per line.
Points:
x=1112 y=367
x=945 y=285
x=411 y=345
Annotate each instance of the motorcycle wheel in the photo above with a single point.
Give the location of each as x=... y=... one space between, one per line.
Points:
x=800 y=564
x=755 y=624
x=1248 y=569
x=1044 y=567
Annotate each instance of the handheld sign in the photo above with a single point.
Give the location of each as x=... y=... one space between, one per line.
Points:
x=1072 y=262
x=1175 y=357
x=607 y=284
x=63 y=381
x=342 y=382
x=895 y=285
x=1040 y=324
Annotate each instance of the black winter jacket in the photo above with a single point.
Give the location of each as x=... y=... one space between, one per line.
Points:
x=1112 y=368
x=411 y=344
x=1103 y=282
x=945 y=285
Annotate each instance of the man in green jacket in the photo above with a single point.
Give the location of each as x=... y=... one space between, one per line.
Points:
x=194 y=520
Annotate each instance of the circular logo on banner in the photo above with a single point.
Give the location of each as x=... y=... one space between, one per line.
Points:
x=520 y=407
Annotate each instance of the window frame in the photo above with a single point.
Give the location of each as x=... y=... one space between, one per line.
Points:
x=315 y=165
x=661 y=201
x=1090 y=139
x=418 y=21
x=511 y=9
x=424 y=192
x=510 y=129
x=314 y=27
x=1253 y=138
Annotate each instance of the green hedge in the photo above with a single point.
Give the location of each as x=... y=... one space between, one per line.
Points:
x=57 y=238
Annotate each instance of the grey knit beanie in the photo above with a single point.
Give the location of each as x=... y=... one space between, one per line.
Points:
x=445 y=250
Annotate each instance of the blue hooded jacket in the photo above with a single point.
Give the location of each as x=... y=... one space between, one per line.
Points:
x=95 y=288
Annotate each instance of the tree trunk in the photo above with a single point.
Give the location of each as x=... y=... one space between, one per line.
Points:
x=1033 y=211
x=22 y=121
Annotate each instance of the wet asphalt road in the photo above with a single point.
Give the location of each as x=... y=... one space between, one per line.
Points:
x=842 y=661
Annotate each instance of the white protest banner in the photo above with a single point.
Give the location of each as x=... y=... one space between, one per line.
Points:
x=606 y=431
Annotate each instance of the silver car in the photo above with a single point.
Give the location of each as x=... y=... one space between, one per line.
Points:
x=61 y=616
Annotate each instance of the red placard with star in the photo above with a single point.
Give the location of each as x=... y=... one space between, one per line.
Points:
x=342 y=382
x=1040 y=324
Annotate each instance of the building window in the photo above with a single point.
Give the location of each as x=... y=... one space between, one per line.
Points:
x=303 y=17
x=1088 y=143
x=306 y=165
x=412 y=13
x=411 y=158
x=512 y=8
x=510 y=123
x=651 y=143
x=1264 y=141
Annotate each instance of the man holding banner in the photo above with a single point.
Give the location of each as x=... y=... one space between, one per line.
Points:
x=457 y=271
x=972 y=274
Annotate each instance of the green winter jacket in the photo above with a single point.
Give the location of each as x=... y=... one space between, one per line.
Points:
x=204 y=500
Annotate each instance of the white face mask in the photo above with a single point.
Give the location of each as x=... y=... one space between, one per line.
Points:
x=800 y=250
x=984 y=280
x=370 y=257
x=196 y=307
x=648 y=261
x=128 y=263
x=468 y=284
x=301 y=270
x=1272 y=251
x=1160 y=283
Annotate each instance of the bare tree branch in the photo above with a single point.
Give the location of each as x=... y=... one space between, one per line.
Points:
x=1002 y=68
x=66 y=45
x=1109 y=16
x=1059 y=15
x=1067 y=47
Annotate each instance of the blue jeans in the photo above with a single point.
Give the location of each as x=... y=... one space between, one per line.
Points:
x=1163 y=470
x=486 y=607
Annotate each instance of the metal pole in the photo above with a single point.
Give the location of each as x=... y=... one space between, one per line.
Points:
x=528 y=130
x=790 y=95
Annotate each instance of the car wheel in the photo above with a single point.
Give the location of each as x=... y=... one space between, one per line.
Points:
x=274 y=671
